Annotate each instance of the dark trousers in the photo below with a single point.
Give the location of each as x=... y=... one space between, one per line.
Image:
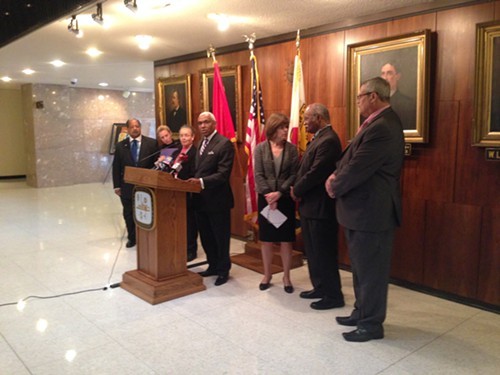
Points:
x=370 y=254
x=321 y=246
x=215 y=235
x=128 y=215
x=192 y=232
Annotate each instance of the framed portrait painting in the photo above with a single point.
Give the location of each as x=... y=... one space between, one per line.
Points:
x=231 y=79
x=119 y=132
x=486 y=130
x=174 y=101
x=404 y=62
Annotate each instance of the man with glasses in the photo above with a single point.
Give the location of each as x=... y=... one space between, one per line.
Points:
x=368 y=205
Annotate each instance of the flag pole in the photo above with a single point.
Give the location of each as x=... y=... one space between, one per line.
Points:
x=211 y=53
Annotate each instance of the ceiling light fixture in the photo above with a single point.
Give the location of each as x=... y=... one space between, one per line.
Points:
x=8 y=79
x=94 y=52
x=144 y=41
x=131 y=4
x=97 y=16
x=57 y=63
x=140 y=79
x=222 y=20
x=73 y=25
x=103 y=84
x=28 y=71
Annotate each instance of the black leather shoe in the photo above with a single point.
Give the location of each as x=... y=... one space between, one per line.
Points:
x=221 y=280
x=130 y=244
x=327 y=303
x=289 y=289
x=346 y=321
x=264 y=286
x=207 y=272
x=362 y=335
x=311 y=294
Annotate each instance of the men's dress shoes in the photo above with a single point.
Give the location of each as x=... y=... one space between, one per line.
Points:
x=327 y=303
x=362 y=335
x=311 y=294
x=221 y=280
x=346 y=321
x=207 y=272
x=130 y=244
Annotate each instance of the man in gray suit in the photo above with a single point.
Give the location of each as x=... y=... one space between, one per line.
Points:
x=368 y=204
x=317 y=210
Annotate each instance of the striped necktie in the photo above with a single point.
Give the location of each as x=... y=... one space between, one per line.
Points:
x=203 y=146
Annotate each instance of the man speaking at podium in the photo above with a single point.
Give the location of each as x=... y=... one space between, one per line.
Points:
x=136 y=150
x=213 y=204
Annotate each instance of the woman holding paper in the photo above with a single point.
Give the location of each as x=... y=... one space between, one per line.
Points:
x=275 y=168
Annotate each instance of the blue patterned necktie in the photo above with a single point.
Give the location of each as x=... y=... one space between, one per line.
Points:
x=133 y=150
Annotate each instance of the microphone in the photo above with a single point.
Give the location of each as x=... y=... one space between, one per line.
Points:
x=149 y=156
x=177 y=167
x=165 y=165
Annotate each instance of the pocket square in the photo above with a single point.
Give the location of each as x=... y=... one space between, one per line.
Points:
x=210 y=153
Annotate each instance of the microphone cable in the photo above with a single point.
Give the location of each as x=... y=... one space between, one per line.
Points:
x=112 y=286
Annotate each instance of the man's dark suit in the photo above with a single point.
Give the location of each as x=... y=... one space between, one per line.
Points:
x=213 y=204
x=317 y=212
x=367 y=191
x=122 y=159
x=176 y=118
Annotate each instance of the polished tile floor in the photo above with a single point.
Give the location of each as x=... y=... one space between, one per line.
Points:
x=62 y=240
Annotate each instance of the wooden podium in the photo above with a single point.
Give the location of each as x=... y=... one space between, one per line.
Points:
x=160 y=216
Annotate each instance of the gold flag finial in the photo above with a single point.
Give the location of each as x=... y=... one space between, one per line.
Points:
x=211 y=52
x=251 y=41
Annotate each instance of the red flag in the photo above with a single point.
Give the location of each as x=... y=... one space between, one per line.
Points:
x=220 y=107
x=254 y=136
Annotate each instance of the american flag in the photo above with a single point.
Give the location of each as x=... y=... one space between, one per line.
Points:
x=255 y=135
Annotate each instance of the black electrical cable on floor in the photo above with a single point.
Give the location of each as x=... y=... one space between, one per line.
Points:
x=112 y=286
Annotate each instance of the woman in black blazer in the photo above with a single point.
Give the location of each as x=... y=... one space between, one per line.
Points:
x=185 y=156
x=276 y=164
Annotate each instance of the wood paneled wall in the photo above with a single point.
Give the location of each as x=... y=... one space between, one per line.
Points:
x=450 y=238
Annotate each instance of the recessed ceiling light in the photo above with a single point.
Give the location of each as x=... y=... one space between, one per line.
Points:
x=144 y=41
x=94 y=52
x=221 y=19
x=140 y=79
x=28 y=71
x=57 y=63
x=103 y=84
x=6 y=79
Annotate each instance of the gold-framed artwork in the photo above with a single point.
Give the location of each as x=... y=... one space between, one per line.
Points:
x=119 y=132
x=231 y=79
x=174 y=102
x=404 y=61
x=486 y=124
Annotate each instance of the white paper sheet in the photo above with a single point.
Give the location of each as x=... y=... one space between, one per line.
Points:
x=275 y=217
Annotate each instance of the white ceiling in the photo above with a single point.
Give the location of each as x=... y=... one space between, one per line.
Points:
x=178 y=29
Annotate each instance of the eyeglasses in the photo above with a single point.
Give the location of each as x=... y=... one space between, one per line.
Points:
x=363 y=94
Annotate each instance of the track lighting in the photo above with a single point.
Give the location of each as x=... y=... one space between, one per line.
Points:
x=131 y=4
x=97 y=16
x=73 y=25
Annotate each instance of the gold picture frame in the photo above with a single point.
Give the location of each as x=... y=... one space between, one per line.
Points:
x=174 y=101
x=231 y=79
x=404 y=61
x=486 y=125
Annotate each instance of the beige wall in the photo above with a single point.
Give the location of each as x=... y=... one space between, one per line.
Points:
x=68 y=139
x=12 y=145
